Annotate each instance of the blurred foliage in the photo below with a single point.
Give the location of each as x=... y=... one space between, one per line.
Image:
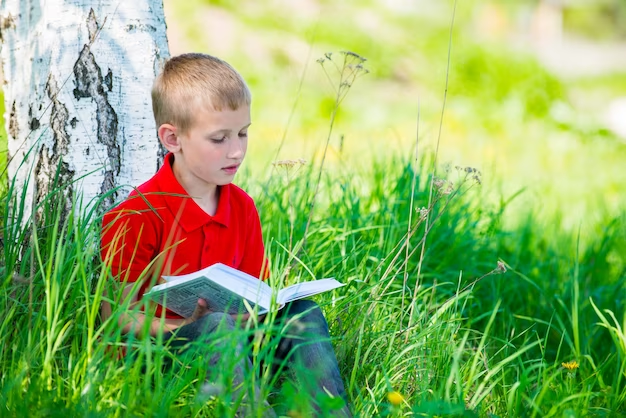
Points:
x=595 y=19
x=491 y=77
x=598 y=19
x=505 y=114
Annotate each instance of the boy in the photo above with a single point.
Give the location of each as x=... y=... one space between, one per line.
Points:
x=189 y=216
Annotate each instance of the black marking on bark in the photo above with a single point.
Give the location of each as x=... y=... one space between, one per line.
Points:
x=13 y=128
x=89 y=83
x=59 y=117
x=34 y=124
x=5 y=24
x=52 y=173
x=140 y=27
x=108 y=80
x=74 y=122
x=53 y=180
x=108 y=184
x=87 y=150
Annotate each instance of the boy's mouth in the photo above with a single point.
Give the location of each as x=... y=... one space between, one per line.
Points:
x=231 y=169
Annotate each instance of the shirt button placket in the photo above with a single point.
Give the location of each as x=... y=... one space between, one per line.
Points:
x=206 y=246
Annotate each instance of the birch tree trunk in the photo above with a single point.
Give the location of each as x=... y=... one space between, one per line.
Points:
x=77 y=85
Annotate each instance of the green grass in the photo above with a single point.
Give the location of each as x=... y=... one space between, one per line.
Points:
x=478 y=341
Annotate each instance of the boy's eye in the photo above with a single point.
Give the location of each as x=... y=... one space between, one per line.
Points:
x=218 y=140
x=243 y=134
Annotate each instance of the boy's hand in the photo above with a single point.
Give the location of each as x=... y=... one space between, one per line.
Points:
x=201 y=309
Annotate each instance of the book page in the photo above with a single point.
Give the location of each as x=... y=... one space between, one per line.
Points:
x=305 y=289
x=236 y=275
x=243 y=284
x=223 y=287
x=183 y=297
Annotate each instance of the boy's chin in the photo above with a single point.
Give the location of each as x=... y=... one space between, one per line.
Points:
x=225 y=182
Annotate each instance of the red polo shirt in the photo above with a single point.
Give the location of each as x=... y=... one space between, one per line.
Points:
x=159 y=230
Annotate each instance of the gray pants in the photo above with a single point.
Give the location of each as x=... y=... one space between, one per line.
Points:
x=304 y=351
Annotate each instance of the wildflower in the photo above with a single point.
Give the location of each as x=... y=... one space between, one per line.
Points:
x=570 y=365
x=354 y=55
x=423 y=213
x=501 y=267
x=395 y=398
x=289 y=163
x=439 y=183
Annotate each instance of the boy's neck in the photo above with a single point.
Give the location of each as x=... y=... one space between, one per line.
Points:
x=208 y=203
x=205 y=195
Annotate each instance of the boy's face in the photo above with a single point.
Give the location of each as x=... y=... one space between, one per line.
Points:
x=211 y=151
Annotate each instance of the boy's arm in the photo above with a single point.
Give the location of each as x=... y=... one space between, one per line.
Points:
x=133 y=322
x=128 y=246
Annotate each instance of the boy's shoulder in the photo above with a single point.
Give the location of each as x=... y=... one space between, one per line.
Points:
x=238 y=195
x=147 y=196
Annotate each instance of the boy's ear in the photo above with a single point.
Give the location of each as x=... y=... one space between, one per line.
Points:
x=169 y=137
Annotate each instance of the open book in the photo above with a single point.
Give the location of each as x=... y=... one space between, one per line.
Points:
x=225 y=289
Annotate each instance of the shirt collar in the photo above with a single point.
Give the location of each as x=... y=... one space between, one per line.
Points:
x=189 y=215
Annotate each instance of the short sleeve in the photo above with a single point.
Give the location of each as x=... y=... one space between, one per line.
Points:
x=128 y=243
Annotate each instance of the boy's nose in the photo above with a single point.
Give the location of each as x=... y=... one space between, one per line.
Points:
x=236 y=150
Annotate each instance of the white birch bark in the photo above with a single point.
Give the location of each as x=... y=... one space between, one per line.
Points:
x=77 y=85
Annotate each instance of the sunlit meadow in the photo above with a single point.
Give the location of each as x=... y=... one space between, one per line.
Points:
x=450 y=180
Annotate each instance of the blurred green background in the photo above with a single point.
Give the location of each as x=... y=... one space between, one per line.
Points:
x=531 y=88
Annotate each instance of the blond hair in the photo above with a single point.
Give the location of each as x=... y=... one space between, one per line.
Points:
x=189 y=81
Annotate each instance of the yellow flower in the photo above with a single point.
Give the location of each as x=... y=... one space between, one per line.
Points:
x=395 y=398
x=570 y=365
